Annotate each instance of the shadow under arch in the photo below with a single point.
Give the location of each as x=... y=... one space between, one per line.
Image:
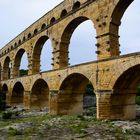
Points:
x=36 y=56
x=72 y=93
x=125 y=90
x=3 y=96
x=4 y=88
x=6 y=69
x=17 y=95
x=39 y=95
x=66 y=37
x=17 y=63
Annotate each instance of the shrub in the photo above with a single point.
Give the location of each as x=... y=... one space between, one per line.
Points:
x=138 y=100
x=6 y=115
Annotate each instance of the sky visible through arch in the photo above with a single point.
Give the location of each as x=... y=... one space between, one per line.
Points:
x=16 y=15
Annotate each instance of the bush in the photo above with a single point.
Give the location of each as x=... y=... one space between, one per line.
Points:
x=138 y=100
x=6 y=115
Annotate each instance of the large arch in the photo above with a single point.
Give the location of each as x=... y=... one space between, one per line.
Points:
x=66 y=38
x=117 y=13
x=124 y=93
x=36 y=57
x=17 y=95
x=17 y=62
x=39 y=95
x=129 y=39
x=6 y=68
x=72 y=93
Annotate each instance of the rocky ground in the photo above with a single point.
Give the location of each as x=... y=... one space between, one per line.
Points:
x=38 y=125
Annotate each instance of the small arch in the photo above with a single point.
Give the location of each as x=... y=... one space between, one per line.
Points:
x=35 y=31
x=72 y=98
x=11 y=47
x=5 y=51
x=15 y=45
x=76 y=5
x=52 y=20
x=8 y=49
x=24 y=38
x=29 y=35
x=39 y=95
x=17 y=95
x=43 y=26
x=19 y=42
x=63 y=13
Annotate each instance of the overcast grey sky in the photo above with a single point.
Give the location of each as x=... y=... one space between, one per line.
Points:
x=16 y=15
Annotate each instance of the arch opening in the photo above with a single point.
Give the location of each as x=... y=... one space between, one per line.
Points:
x=125 y=93
x=42 y=55
x=63 y=13
x=76 y=5
x=43 y=26
x=76 y=96
x=73 y=41
x=129 y=39
x=20 y=64
x=17 y=95
x=39 y=95
x=52 y=20
x=6 y=69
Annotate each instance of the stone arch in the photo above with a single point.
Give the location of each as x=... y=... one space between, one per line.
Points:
x=52 y=20
x=63 y=13
x=29 y=35
x=124 y=93
x=43 y=26
x=71 y=94
x=115 y=21
x=11 y=47
x=24 y=38
x=15 y=45
x=35 y=31
x=17 y=95
x=39 y=95
x=37 y=53
x=129 y=80
x=17 y=62
x=121 y=6
x=6 y=68
x=76 y=5
x=66 y=36
x=123 y=67
x=19 y=42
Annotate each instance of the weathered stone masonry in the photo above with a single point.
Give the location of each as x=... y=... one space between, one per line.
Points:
x=115 y=78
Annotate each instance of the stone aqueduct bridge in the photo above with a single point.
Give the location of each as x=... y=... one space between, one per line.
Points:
x=115 y=78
